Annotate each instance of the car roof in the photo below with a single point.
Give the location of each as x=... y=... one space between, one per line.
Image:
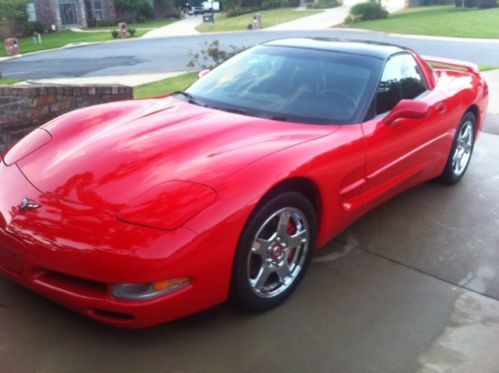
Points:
x=361 y=48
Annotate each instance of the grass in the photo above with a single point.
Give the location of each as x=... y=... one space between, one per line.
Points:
x=162 y=87
x=488 y=67
x=141 y=28
x=439 y=21
x=269 y=18
x=149 y=25
x=59 y=39
x=62 y=38
x=9 y=81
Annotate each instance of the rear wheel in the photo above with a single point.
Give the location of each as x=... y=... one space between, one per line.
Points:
x=274 y=252
x=461 y=151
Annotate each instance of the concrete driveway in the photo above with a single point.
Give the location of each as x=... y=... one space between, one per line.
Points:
x=411 y=287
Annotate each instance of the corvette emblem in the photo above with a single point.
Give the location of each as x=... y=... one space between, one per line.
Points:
x=28 y=204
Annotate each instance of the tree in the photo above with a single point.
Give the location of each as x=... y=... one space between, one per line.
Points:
x=134 y=8
x=12 y=12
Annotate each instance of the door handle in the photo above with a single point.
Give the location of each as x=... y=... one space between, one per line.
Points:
x=440 y=108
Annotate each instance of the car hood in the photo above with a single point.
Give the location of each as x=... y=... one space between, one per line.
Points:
x=105 y=156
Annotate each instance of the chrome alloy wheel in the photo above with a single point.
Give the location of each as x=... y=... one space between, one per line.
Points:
x=278 y=252
x=464 y=146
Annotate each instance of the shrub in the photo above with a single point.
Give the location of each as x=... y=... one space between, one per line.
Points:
x=485 y=4
x=324 y=4
x=115 y=34
x=241 y=11
x=131 y=10
x=271 y=4
x=107 y=22
x=212 y=55
x=366 y=11
x=32 y=27
x=132 y=32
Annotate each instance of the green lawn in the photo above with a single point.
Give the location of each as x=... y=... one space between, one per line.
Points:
x=162 y=87
x=142 y=28
x=439 y=21
x=9 y=81
x=487 y=67
x=62 y=38
x=149 y=25
x=269 y=18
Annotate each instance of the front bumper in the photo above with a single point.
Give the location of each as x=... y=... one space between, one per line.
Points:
x=73 y=254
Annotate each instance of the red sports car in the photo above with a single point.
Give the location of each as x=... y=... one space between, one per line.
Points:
x=140 y=212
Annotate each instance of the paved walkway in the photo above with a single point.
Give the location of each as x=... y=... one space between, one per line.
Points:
x=187 y=26
x=492 y=118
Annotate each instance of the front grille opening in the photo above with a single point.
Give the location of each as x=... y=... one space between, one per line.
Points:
x=109 y=315
x=73 y=284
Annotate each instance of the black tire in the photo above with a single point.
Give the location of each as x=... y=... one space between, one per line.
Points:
x=450 y=175
x=278 y=253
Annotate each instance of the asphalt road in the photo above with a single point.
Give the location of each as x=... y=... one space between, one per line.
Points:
x=144 y=56
x=411 y=287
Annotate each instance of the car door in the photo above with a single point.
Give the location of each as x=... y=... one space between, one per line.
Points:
x=400 y=153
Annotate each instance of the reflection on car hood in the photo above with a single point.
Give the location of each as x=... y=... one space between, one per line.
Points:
x=106 y=155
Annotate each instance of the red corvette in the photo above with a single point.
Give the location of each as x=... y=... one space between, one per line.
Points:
x=137 y=213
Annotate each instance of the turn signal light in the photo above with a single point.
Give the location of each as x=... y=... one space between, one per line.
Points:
x=147 y=291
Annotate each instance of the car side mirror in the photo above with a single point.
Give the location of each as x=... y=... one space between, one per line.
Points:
x=203 y=73
x=410 y=109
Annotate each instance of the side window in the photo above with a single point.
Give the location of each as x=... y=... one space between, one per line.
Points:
x=401 y=79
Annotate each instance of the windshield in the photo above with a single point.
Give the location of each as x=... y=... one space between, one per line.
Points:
x=292 y=84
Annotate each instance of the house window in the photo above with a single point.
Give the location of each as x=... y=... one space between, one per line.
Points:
x=67 y=10
x=31 y=12
x=98 y=10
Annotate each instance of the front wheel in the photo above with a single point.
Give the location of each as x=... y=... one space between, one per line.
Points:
x=274 y=252
x=461 y=151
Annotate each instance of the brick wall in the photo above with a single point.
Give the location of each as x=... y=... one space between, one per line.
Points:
x=46 y=12
x=23 y=108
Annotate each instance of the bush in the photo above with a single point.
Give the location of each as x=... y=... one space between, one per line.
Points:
x=175 y=13
x=274 y=4
x=485 y=4
x=253 y=6
x=131 y=10
x=241 y=11
x=324 y=4
x=366 y=11
x=212 y=55
x=271 y=4
x=115 y=34
x=107 y=23
x=132 y=32
x=32 y=27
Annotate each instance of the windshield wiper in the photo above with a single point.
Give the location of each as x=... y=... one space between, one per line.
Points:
x=234 y=110
x=190 y=98
x=279 y=118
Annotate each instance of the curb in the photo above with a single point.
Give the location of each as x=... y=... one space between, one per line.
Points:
x=412 y=36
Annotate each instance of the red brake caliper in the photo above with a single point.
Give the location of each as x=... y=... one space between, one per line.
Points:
x=291 y=231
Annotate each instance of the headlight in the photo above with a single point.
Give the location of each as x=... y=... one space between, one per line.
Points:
x=30 y=143
x=168 y=205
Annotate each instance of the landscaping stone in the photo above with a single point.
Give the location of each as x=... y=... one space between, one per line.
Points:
x=25 y=107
